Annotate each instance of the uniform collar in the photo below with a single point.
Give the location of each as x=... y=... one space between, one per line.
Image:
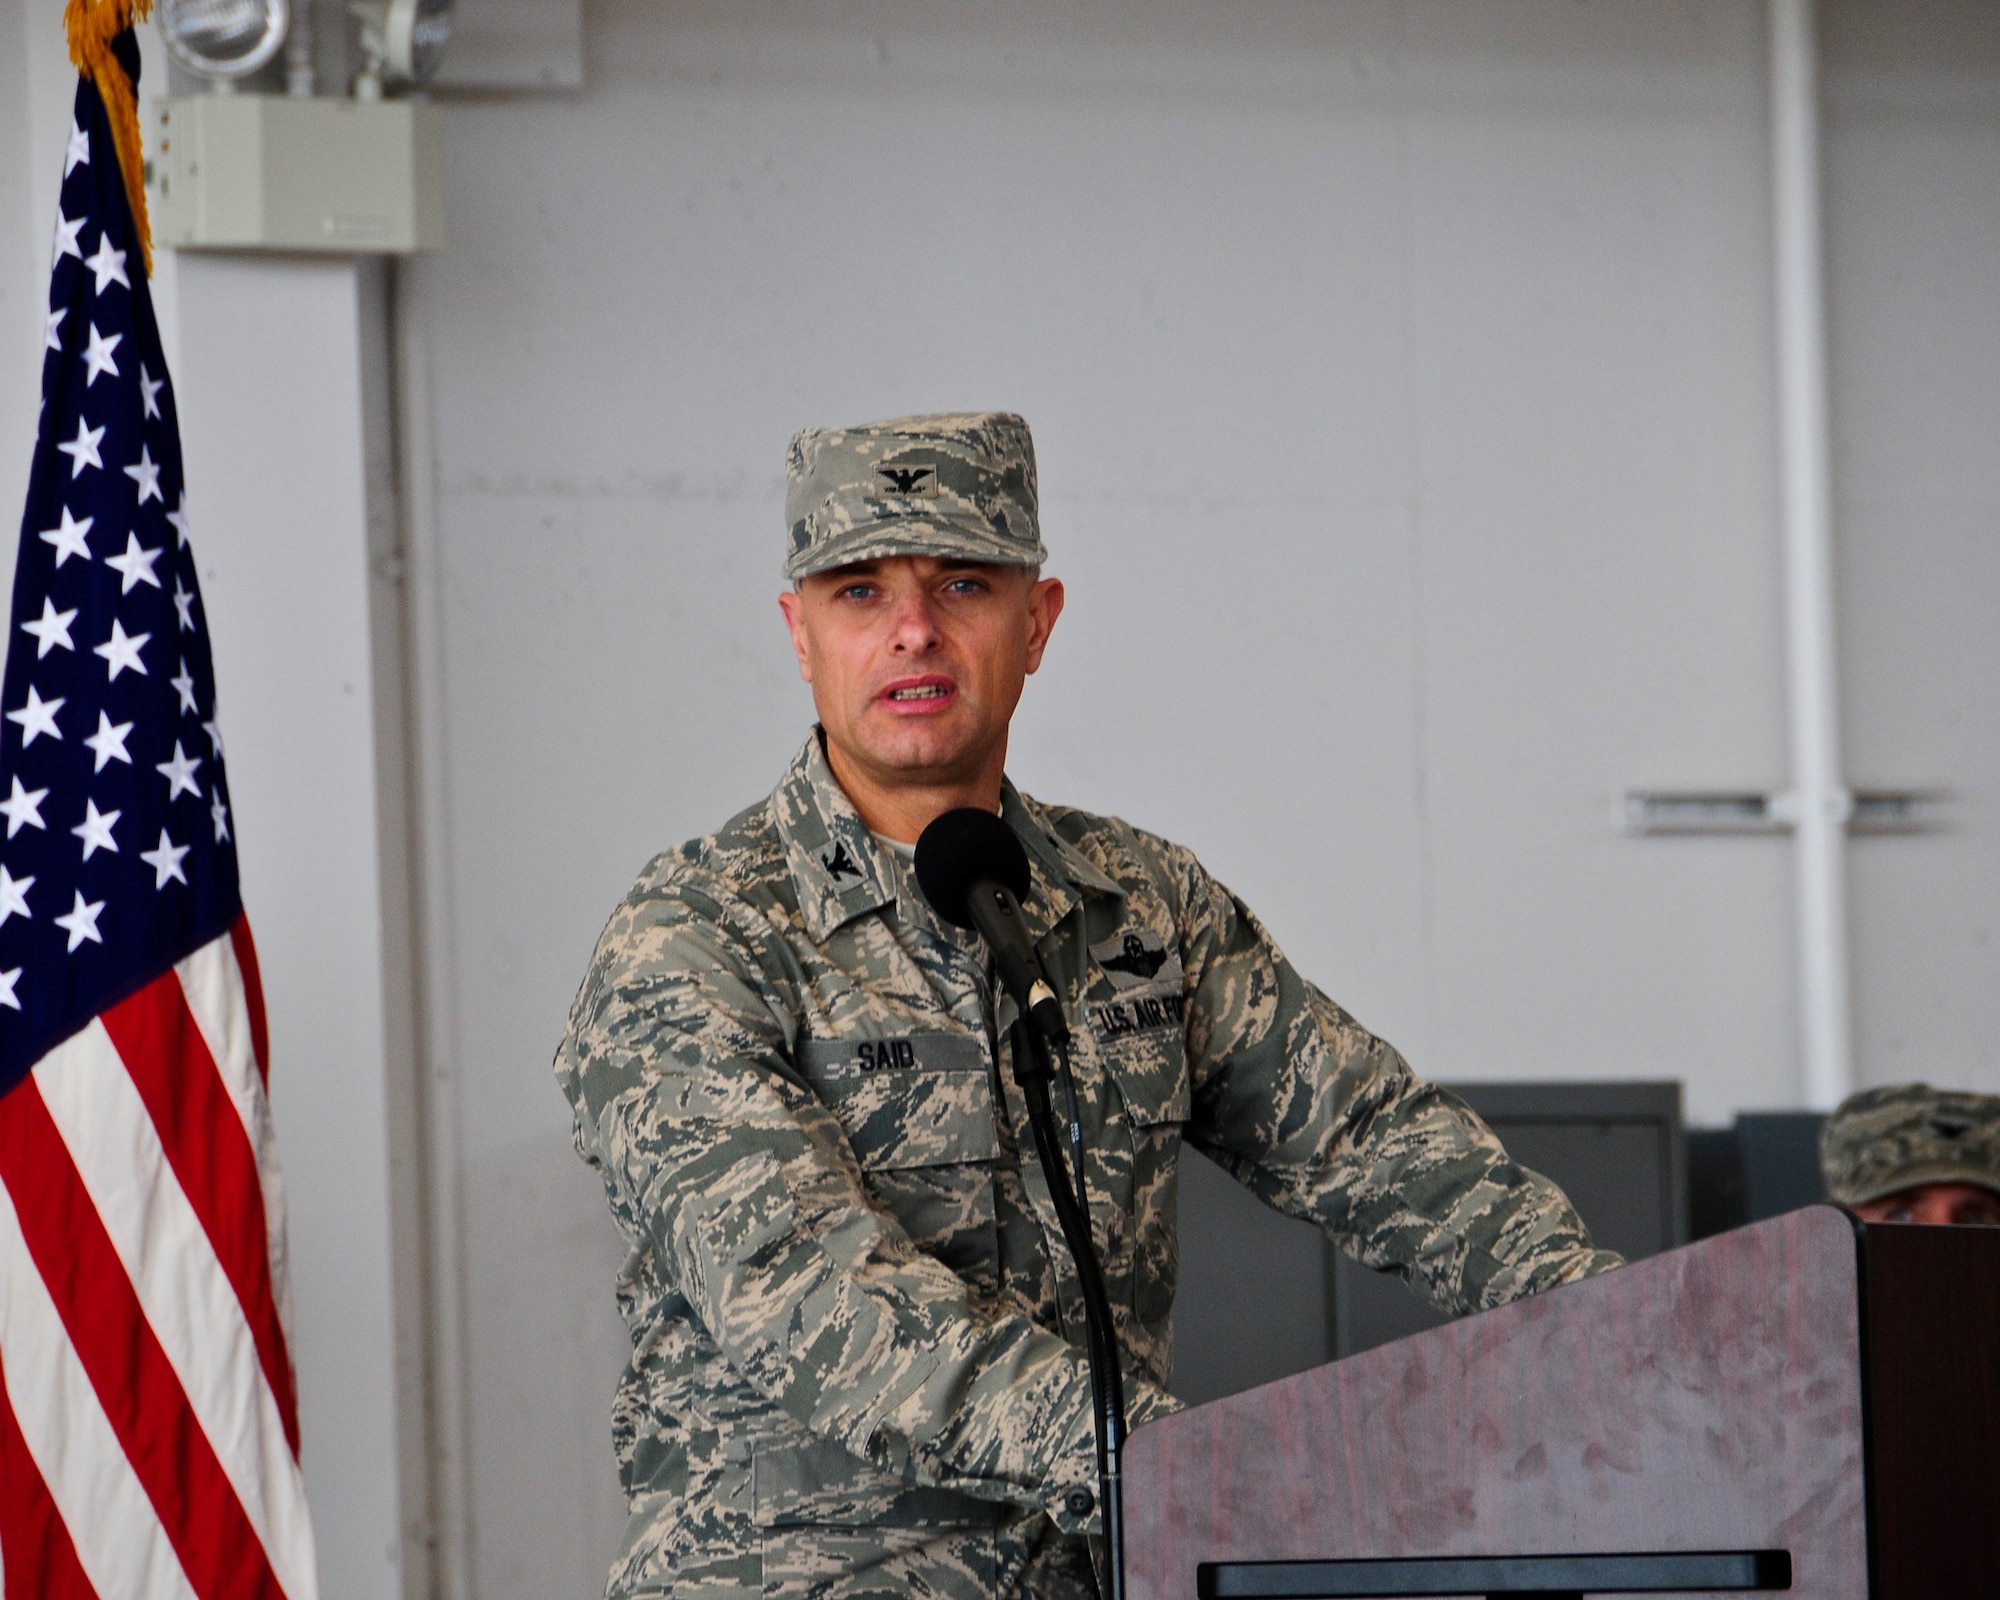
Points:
x=835 y=863
x=841 y=872
x=1062 y=873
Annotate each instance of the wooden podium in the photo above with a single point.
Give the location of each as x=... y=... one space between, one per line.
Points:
x=1810 y=1404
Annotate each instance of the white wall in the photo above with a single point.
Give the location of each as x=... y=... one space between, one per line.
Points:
x=1913 y=224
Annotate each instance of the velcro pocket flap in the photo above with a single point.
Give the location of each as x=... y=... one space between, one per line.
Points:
x=907 y=1100
x=1141 y=1040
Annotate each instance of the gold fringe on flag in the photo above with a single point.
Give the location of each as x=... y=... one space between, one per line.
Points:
x=92 y=25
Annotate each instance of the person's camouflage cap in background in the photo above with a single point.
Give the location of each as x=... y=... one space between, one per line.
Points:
x=959 y=485
x=1881 y=1141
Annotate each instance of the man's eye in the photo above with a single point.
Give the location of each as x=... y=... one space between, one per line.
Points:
x=965 y=586
x=857 y=591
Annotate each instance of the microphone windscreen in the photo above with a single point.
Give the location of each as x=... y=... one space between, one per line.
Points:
x=965 y=847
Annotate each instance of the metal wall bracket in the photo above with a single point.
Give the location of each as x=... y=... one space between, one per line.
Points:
x=1659 y=811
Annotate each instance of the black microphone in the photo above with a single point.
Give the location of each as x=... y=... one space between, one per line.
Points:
x=973 y=871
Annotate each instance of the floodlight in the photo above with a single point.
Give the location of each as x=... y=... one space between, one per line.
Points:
x=402 y=42
x=223 y=40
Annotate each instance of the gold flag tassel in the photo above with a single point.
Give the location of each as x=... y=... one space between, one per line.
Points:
x=94 y=27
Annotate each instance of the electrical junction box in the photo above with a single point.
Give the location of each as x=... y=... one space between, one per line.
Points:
x=276 y=172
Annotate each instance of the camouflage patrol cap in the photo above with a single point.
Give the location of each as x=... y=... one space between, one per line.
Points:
x=1883 y=1140
x=959 y=485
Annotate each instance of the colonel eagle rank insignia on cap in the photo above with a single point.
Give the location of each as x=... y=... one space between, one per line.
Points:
x=959 y=485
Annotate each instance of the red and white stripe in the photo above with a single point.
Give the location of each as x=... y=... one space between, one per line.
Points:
x=149 y=1428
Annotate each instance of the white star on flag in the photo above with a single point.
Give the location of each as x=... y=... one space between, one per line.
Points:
x=8 y=979
x=50 y=323
x=68 y=539
x=95 y=830
x=135 y=566
x=214 y=731
x=179 y=518
x=66 y=232
x=82 y=450
x=108 y=743
x=149 y=391
x=37 y=717
x=179 y=773
x=184 y=607
x=80 y=922
x=220 y=813
x=14 y=894
x=78 y=153
x=184 y=687
x=165 y=861
x=146 y=475
x=52 y=630
x=121 y=650
x=107 y=263
x=97 y=356
x=23 y=808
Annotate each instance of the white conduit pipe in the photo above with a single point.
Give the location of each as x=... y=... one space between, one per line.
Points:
x=300 y=81
x=1819 y=804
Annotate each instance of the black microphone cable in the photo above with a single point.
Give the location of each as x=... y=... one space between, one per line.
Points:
x=1033 y=1071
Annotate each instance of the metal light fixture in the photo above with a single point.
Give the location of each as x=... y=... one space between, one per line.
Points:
x=223 y=40
x=402 y=42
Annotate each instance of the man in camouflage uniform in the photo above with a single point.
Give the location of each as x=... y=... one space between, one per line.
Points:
x=1912 y=1153
x=856 y=1337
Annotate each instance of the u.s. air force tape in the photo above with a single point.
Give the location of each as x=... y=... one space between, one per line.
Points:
x=910 y=1052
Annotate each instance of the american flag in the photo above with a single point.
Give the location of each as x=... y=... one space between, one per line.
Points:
x=148 y=1426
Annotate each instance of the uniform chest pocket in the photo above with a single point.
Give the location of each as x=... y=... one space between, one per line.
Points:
x=1141 y=1037
x=907 y=1101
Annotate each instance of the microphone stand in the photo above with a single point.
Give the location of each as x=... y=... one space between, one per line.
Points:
x=1033 y=1071
x=973 y=871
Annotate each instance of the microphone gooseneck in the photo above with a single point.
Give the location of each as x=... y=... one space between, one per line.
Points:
x=974 y=872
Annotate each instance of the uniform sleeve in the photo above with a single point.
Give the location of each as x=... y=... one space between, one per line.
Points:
x=716 y=1155
x=1325 y=1121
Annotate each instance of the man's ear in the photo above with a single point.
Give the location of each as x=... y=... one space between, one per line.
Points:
x=1045 y=603
x=793 y=605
